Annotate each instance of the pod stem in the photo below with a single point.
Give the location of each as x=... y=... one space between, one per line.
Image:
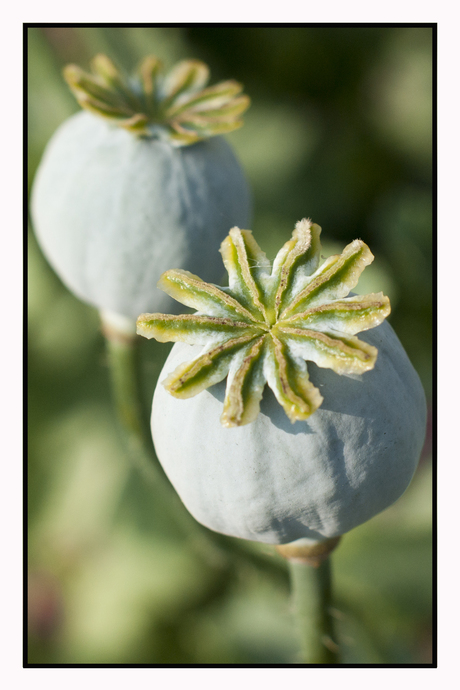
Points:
x=311 y=589
x=124 y=373
x=310 y=575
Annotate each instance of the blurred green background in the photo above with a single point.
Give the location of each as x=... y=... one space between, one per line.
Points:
x=339 y=130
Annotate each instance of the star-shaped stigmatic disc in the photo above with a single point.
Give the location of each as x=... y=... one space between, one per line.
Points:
x=269 y=321
x=177 y=106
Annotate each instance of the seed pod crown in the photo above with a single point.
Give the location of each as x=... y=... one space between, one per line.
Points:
x=269 y=322
x=178 y=106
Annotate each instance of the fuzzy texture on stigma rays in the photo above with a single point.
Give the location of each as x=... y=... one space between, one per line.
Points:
x=269 y=321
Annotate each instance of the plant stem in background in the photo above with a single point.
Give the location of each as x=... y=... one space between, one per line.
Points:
x=121 y=344
x=311 y=590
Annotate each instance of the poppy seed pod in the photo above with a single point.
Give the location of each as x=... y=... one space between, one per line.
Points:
x=139 y=182
x=319 y=453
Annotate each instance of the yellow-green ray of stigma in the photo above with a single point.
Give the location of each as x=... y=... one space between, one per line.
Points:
x=245 y=385
x=269 y=322
x=295 y=262
x=176 y=106
x=191 y=328
x=350 y=315
x=289 y=381
x=190 y=290
x=191 y=378
x=245 y=263
x=334 y=279
x=342 y=354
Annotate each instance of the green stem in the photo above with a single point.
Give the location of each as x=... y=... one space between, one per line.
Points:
x=124 y=375
x=124 y=367
x=311 y=588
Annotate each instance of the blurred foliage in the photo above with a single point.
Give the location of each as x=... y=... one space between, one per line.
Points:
x=340 y=131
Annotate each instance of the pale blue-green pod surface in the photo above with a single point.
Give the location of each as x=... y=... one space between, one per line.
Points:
x=112 y=212
x=276 y=482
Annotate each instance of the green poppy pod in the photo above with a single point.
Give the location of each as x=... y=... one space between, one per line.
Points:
x=276 y=482
x=141 y=183
x=336 y=435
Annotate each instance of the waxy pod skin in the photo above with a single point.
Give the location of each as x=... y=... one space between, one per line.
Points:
x=277 y=482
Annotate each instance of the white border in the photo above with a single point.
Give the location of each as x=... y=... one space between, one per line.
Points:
x=11 y=290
